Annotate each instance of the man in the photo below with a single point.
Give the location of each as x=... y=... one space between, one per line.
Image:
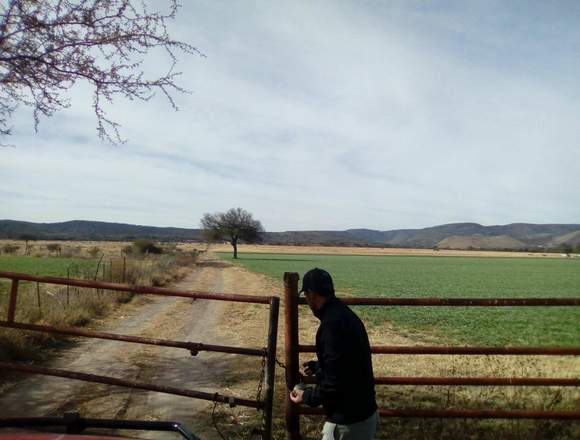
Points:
x=344 y=372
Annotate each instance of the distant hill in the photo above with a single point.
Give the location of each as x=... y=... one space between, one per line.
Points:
x=451 y=236
x=480 y=242
x=89 y=230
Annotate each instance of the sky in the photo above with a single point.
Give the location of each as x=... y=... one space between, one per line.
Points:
x=328 y=115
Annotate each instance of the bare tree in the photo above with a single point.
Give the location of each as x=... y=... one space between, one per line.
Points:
x=234 y=225
x=46 y=46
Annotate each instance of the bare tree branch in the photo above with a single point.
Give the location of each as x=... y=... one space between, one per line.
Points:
x=234 y=225
x=46 y=47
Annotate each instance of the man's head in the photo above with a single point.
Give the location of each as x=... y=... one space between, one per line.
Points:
x=317 y=287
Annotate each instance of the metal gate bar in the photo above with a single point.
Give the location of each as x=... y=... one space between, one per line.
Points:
x=86 y=377
x=269 y=352
x=129 y=288
x=465 y=413
x=459 y=381
x=193 y=347
x=436 y=349
x=293 y=348
x=458 y=302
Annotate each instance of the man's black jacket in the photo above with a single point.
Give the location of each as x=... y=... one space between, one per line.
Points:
x=344 y=375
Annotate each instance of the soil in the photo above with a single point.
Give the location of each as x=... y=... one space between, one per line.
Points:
x=237 y=325
x=370 y=251
x=161 y=317
x=113 y=249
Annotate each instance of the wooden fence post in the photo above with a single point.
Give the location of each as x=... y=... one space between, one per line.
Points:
x=13 y=299
x=67 y=287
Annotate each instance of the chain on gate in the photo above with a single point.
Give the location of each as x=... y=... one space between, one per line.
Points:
x=262 y=377
x=259 y=391
x=254 y=431
x=257 y=431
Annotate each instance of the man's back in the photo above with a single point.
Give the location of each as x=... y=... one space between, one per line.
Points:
x=345 y=374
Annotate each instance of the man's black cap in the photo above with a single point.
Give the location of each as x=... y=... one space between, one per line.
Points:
x=319 y=281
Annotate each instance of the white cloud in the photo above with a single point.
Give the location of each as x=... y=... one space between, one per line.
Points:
x=330 y=115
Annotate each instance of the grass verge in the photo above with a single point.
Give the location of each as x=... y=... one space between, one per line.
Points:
x=47 y=304
x=405 y=276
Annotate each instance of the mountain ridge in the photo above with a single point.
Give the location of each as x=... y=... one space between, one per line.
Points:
x=464 y=235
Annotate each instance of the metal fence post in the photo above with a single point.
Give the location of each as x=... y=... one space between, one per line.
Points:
x=271 y=366
x=291 y=339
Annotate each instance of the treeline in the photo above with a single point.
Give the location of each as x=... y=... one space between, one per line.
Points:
x=81 y=230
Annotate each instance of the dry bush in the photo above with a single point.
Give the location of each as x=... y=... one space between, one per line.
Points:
x=49 y=305
x=10 y=249
x=54 y=248
x=94 y=252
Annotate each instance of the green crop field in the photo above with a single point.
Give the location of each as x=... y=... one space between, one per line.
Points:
x=409 y=276
x=51 y=266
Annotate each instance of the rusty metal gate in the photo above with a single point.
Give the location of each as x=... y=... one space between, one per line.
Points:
x=293 y=348
x=268 y=352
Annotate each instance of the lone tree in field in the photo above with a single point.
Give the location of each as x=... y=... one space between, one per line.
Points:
x=46 y=46
x=235 y=225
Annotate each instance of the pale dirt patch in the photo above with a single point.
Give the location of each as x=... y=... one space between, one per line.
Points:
x=370 y=251
x=113 y=249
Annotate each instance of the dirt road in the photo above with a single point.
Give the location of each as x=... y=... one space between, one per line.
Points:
x=178 y=319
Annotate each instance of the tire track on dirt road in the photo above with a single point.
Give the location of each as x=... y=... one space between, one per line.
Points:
x=162 y=317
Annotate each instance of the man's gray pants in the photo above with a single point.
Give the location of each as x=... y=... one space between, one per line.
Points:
x=363 y=430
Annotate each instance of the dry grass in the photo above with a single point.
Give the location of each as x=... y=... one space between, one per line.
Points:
x=248 y=326
x=460 y=397
x=83 y=249
x=47 y=304
x=114 y=249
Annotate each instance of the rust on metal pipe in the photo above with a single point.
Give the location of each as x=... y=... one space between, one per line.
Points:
x=13 y=300
x=271 y=366
x=215 y=397
x=138 y=289
x=458 y=302
x=450 y=350
x=477 y=381
x=291 y=339
x=193 y=347
x=465 y=413
x=495 y=381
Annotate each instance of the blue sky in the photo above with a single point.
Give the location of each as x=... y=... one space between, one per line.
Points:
x=329 y=115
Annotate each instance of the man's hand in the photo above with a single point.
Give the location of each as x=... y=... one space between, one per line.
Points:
x=297 y=394
x=310 y=368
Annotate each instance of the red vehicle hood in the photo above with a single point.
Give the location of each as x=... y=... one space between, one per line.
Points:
x=36 y=436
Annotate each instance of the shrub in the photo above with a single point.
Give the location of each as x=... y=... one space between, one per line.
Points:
x=54 y=247
x=10 y=249
x=94 y=251
x=127 y=250
x=70 y=251
x=147 y=247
